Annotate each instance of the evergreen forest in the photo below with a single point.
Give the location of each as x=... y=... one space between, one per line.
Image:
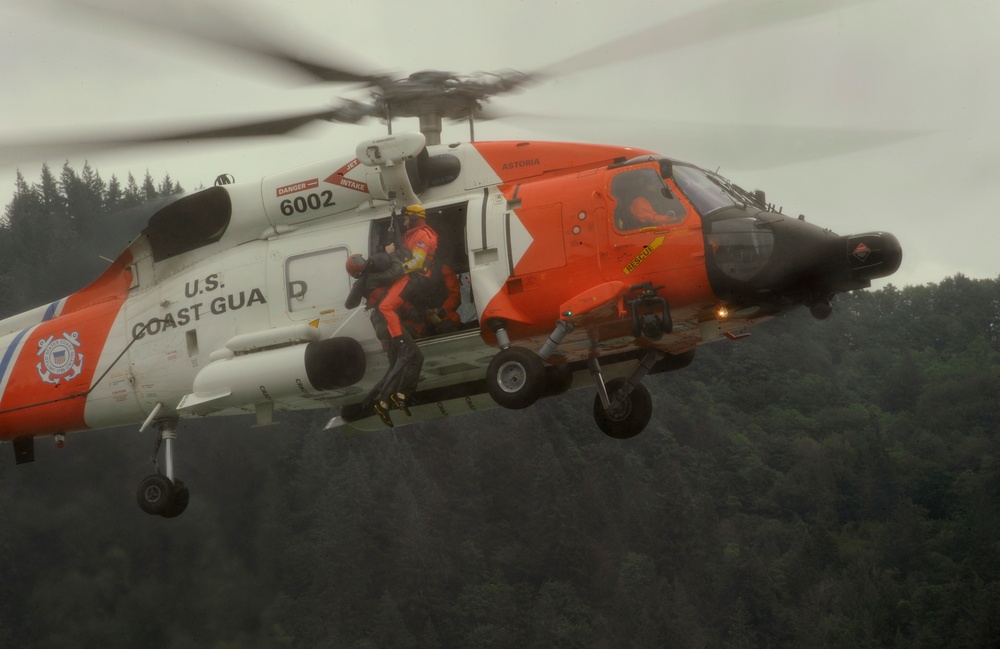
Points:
x=819 y=484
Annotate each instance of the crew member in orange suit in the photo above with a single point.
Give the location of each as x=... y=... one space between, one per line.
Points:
x=421 y=243
x=437 y=311
x=642 y=209
x=646 y=214
x=443 y=317
x=374 y=277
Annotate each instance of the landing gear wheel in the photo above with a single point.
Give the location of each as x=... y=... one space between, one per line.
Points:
x=159 y=496
x=179 y=497
x=154 y=494
x=516 y=378
x=627 y=419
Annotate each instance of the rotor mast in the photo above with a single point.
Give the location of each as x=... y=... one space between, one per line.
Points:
x=435 y=95
x=430 y=126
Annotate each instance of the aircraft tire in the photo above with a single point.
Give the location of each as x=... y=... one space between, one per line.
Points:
x=516 y=378
x=628 y=420
x=179 y=497
x=155 y=494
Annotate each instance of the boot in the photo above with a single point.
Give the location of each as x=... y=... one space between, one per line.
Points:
x=382 y=410
x=400 y=402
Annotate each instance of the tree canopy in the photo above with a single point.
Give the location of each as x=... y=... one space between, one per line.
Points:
x=61 y=231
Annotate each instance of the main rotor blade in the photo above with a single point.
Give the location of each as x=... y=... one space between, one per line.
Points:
x=16 y=152
x=719 y=21
x=236 y=31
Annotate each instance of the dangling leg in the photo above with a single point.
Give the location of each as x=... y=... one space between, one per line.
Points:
x=408 y=377
x=403 y=374
x=373 y=401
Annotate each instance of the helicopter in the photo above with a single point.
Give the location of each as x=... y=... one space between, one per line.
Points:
x=231 y=301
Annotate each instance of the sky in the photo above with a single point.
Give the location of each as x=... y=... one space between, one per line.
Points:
x=868 y=115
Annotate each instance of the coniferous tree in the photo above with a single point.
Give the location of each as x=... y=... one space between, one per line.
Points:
x=58 y=233
x=149 y=192
x=133 y=196
x=114 y=197
x=167 y=187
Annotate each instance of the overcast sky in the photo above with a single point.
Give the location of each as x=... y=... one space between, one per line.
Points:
x=919 y=74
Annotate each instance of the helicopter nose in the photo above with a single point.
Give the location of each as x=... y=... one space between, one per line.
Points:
x=774 y=261
x=873 y=255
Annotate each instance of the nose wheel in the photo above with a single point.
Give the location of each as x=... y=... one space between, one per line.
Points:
x=623 y=407
x=626 y=414
x=160 y=494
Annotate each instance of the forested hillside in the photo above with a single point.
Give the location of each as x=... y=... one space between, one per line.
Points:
x=819 y=484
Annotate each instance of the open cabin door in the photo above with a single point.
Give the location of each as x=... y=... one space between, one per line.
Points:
x=444 y=304
x=488 y=241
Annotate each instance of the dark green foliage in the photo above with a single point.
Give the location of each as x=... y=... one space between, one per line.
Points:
x=820 y=484
x=56 y=235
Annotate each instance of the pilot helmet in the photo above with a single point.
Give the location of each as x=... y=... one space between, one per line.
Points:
x=355 y=264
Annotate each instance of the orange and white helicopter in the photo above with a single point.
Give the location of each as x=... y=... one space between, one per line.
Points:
x=232 y=299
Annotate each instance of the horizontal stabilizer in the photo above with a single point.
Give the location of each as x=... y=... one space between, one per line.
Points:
x=192 y=401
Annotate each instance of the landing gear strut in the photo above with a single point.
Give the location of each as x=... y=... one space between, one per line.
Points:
x=160 y=494
x=517 y=377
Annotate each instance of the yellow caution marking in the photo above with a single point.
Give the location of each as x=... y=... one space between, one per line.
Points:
x=645 y=252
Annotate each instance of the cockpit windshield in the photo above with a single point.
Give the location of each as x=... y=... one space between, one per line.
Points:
x=705 y=192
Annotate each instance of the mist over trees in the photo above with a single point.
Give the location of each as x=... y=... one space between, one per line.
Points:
x=819 y=484
x=58 y=233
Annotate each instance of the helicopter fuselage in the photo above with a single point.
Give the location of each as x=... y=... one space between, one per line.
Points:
x=232 y=299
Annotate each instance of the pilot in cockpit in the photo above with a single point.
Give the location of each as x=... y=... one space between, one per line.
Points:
x=644 y=201
x=642 y=208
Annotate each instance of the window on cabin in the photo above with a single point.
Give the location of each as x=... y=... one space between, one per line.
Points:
x=316 y=281
x=642 y=200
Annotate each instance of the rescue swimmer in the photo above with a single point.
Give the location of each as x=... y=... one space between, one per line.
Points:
x=419 y=245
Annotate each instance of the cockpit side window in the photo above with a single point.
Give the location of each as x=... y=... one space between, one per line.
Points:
x=706 y=194
x=642 y=200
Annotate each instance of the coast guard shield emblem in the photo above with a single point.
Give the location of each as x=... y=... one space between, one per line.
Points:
x=60 y=360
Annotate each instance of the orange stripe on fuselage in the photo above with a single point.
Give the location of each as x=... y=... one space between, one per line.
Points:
x=53 y=371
